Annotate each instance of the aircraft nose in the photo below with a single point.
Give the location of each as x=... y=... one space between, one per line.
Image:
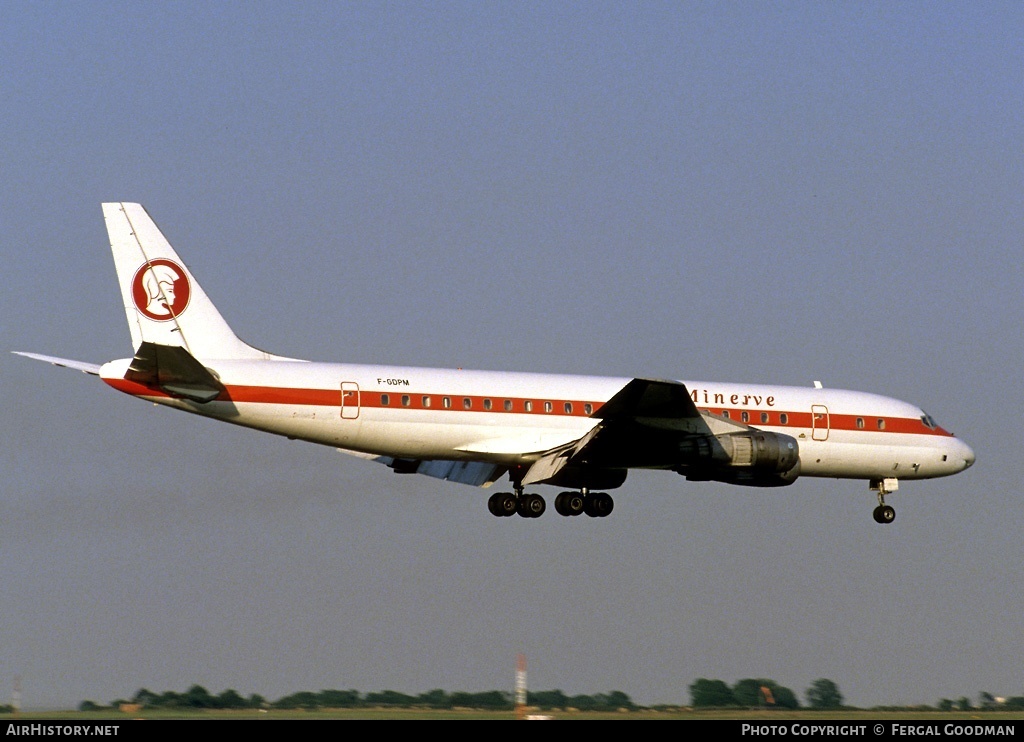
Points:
x=964 y=453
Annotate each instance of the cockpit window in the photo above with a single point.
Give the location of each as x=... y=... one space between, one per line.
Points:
x=927 y=420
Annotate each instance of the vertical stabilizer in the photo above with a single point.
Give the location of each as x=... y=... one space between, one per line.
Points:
x=164 y=304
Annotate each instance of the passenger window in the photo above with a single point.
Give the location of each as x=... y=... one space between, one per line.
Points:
x=881 y=423
x=548 y=407
x=568 y=408
x=860 y=423
x=528 y=405
x=784 y=419
x=467 y=403
x=764 y=417
x=508 y=405
x=426 y=401
x=447 y=402
x=745 y=416
x=405 y=400
x=385 y=399
x=725 y=413
x=588 y=408
x=487 y=404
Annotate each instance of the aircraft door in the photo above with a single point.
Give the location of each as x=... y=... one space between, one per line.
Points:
x=349 y=400
x=819 y=422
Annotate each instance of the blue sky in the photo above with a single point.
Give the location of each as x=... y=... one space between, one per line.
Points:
x=746 y=192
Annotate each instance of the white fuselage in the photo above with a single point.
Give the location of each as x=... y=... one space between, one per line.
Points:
x=511 y=418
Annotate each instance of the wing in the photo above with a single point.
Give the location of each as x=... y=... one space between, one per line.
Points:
x=656 y=403
x=643 y=425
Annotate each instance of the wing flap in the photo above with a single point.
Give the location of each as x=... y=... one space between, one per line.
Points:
x=524 y=444
x=473 y=473
x=553 y=461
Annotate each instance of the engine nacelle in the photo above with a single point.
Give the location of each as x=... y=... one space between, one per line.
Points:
x=754 y=458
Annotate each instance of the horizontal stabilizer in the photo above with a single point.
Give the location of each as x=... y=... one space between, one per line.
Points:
x=173 y=370
x=85 y=368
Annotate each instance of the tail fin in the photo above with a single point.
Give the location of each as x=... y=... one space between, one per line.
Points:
x=165 y=305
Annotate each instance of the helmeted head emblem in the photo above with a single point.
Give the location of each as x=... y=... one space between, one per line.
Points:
x=160 y=289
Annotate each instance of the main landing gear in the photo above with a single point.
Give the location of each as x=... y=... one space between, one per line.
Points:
x=594 y=504
x=884 y=513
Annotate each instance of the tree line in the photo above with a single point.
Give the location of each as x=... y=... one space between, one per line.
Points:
x=762 y=693
x=199 y=698
x=704 y=693
x=822 y=694
x=986 y=702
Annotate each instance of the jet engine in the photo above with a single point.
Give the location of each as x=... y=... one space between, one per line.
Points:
x=754 y=458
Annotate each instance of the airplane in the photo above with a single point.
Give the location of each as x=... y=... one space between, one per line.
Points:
x=578 y=433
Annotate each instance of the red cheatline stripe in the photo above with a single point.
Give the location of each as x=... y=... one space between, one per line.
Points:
x=577 y=408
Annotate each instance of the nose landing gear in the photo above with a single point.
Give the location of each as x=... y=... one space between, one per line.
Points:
x=884 y=513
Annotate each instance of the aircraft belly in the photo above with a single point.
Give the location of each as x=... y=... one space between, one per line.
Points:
x=317 y=424
x=425 y=440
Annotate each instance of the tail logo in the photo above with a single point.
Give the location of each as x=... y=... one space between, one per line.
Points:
x=160 y=289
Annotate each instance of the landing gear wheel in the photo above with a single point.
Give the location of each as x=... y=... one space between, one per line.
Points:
x=509 y=504
x=598 y=504
x=574 y=504
x=569 y=503
x=560 y=503
x=531 y=506
x=884 y=514
x=502 y=504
